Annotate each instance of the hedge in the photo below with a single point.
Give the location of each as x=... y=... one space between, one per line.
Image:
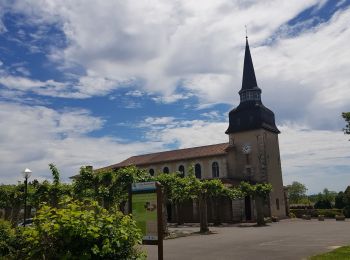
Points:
x=328 y=213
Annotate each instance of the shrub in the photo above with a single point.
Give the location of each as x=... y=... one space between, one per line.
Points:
x=80 y=231
x=328 y=213
x=7 y=234
x=346 y=211
x=323 y=204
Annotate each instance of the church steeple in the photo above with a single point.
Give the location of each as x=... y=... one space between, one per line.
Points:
x=251 y=113
x=249 y=80
x=250 y=90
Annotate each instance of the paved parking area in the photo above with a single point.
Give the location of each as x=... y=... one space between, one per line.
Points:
x=287 y=239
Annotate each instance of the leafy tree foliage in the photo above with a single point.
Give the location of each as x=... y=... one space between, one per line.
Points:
x=340 y=200
x=325 y=200
x=178 y=188
x=259 y=192
x=346 y=116
x=79 y=230
x=11 y=199
x=108 y=187
x=296 y=192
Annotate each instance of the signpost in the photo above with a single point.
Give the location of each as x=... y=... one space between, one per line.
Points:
x=146 y=208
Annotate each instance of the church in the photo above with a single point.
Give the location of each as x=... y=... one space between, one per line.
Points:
x=251 y=154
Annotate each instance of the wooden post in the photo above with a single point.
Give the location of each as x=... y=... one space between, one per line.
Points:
x=160 y=220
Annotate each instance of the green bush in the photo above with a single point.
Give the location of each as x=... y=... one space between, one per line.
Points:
x=328 y=213
x=346 y=211
x=7 y=235
x=292 y=215
x=80 y=231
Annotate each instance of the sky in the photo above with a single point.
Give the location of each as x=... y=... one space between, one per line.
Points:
x=94 y=82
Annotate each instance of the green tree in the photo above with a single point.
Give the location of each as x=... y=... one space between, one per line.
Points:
x=325 y=200
x=259 y=192
x=296 y=192
x=11 y=199
x=174 y=191
x=346 y=116
x=339 y=200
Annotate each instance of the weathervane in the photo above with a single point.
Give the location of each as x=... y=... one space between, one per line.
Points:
x=246 y=32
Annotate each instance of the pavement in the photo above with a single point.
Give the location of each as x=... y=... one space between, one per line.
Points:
x=287 y=239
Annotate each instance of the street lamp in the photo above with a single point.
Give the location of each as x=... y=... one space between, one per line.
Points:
x=26 y=174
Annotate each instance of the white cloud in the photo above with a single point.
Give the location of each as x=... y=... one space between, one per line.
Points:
x=171 y=98
x=52 y=88
x=161 y=43
x=33 y=136
x=317 y=158
x=135 y=93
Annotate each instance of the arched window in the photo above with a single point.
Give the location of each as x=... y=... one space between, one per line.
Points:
x=182 y=170
x=198 y=171
x=165 y=170
x=215 y=169
x=277 y=204
x=151 y=172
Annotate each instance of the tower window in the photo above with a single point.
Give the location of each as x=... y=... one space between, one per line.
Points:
x=165 y=170
x=277 y=204
x=198 y=171
x=182 y=170
x=215 y=169
x=151 y=172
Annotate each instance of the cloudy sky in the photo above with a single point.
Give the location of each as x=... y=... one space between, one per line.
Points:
x=93 y=82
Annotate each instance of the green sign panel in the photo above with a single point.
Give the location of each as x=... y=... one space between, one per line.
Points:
x=144 y=211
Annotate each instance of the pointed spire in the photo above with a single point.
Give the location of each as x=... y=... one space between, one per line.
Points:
x=249 y=80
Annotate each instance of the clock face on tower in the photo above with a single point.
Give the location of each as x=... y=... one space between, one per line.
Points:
x=246 y=148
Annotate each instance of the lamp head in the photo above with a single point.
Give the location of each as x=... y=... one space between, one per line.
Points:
x=27 y=173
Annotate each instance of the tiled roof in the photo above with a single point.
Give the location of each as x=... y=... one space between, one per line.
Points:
x=174 y=155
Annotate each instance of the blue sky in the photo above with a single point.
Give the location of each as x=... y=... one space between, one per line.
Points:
x=94 y=82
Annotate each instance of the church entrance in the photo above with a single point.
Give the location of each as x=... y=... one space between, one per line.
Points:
x=248 y=208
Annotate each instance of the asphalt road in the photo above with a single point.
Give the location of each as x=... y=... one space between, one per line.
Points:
x=287 y=239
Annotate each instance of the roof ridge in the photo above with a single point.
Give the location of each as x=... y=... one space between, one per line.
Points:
x=181 y=149
x=172 y=155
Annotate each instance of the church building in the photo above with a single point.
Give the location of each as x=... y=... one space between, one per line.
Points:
x=251 y=154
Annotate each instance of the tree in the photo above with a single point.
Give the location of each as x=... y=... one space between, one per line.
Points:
x=346 y=116
x=325 y=200
x=340 y=201
x=296 y=192
x=174 y=191
x=259 y=192
x=11 y=199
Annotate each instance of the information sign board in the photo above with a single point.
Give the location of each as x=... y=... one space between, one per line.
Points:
x=146 y=208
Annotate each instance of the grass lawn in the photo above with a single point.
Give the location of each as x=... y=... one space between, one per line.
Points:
x=339 y=253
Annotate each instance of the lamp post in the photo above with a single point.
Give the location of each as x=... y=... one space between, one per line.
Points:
x=26 y=174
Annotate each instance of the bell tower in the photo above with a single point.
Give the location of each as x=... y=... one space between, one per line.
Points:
x=253 y=135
